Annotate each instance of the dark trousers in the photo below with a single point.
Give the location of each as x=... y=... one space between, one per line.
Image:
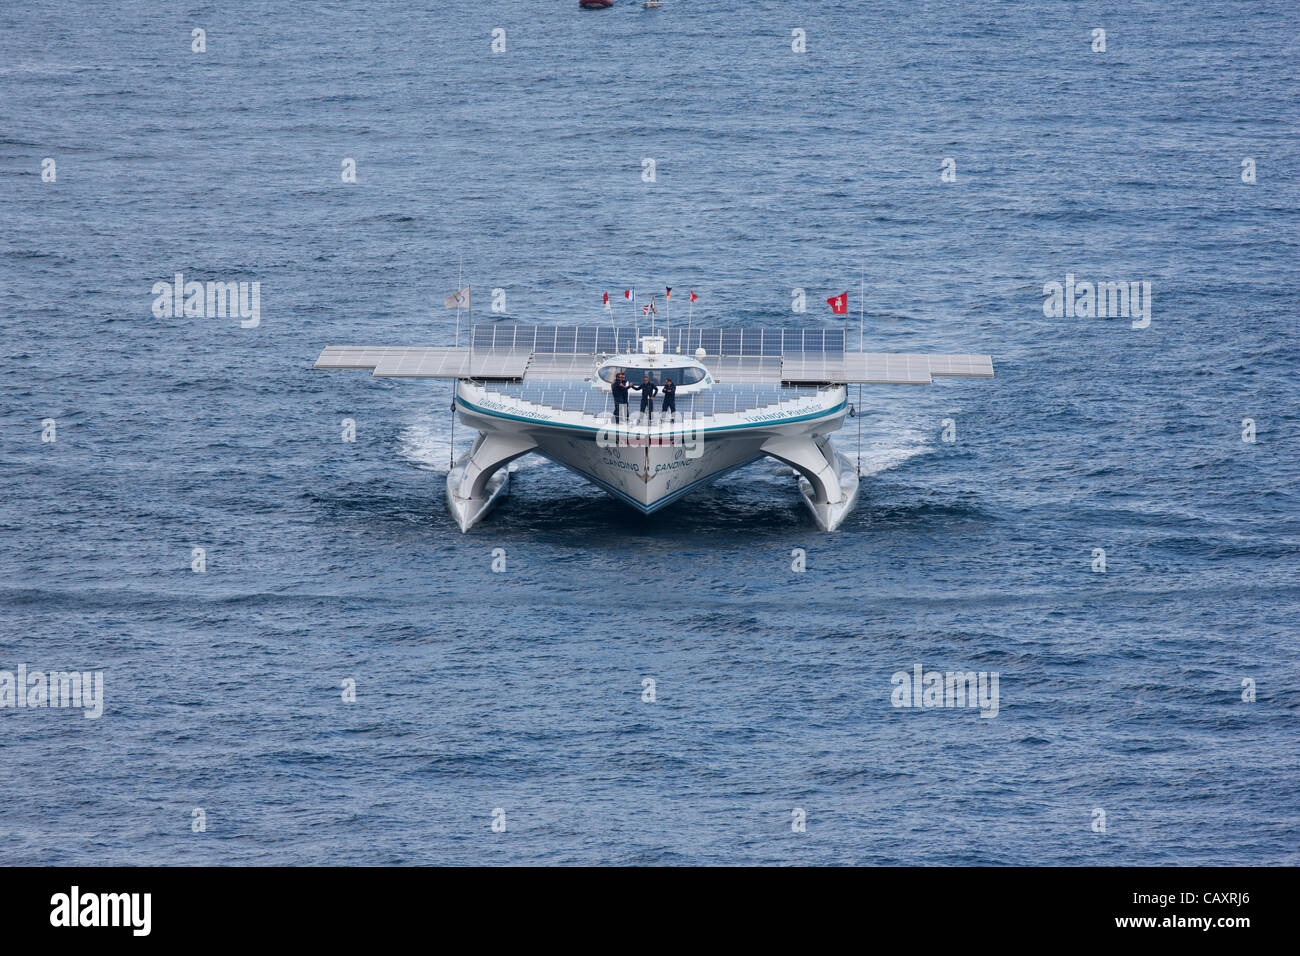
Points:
x=648 y=403
x=670 y=404
x=616 y=407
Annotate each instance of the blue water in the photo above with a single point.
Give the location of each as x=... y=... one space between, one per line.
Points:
x=326 y=561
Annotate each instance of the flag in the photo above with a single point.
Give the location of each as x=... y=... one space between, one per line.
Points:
x=607 y=308
x=839 y=303
x=693 y=295
x=630 y=294
x=458 y=299
x=668 y=293
x=649 y=309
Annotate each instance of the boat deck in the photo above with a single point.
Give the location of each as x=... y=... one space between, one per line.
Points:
x=720 y=399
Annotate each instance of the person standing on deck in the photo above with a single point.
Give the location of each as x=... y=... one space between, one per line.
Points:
x=648 y=390
x=670 y=398
x=619 y=387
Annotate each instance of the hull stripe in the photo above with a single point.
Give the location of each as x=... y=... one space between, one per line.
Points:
x=461 y=400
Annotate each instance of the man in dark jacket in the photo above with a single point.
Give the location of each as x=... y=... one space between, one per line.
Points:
x=670 y=398
x=648 y=390
x=619 y=387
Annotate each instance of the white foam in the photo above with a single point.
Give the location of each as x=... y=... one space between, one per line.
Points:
x=427 y=443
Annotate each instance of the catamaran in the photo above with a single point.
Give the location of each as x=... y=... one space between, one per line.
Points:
x=741 y=395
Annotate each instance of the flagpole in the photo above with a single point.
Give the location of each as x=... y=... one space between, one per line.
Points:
x=459 y=270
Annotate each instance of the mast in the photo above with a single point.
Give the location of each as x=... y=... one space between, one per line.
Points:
x=857 y=409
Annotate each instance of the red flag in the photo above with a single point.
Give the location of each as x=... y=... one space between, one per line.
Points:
x=645 y=310
x=629 y=294
x=839 y=303
x=607 y=298
x=693 y=295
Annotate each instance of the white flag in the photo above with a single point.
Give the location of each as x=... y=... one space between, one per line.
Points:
x=458 y=300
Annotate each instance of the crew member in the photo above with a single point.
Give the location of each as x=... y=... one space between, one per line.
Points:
x=670 y=397
x=648 y=390
x=619 y=387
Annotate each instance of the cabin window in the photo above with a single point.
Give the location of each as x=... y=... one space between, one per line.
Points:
x=689 y=375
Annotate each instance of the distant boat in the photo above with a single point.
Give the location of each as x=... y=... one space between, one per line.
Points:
x=652 y=4
x=595 y=4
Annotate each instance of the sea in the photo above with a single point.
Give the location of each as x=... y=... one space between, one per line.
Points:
x=304 y=660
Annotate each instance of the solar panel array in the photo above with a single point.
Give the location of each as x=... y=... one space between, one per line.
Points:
x=733 y=356
x=718 y=400
x=961 y=366
x=607 y=340
x=421 y=362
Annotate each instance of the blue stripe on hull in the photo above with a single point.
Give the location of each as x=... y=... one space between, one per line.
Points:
x=461 y=400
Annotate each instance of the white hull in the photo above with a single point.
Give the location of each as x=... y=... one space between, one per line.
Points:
x=650 y=467
x=470 y=511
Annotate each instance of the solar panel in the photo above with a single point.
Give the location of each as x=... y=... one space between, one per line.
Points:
x=555 y=365
x=880 y=368
x=424 y=362
x=812 y=366
x=499 y=363
x=961 y=366
x=608 y=340
x=505 y=336
x=744 y=368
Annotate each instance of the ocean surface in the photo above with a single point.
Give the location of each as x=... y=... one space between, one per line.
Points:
x=517 y=696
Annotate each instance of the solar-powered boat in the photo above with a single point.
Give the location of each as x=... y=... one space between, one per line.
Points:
x=741 y=395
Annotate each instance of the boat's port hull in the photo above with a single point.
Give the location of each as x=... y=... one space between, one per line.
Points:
x=470 y=511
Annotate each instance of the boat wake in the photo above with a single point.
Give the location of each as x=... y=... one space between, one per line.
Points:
x=886 y=444
x=427 y=445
